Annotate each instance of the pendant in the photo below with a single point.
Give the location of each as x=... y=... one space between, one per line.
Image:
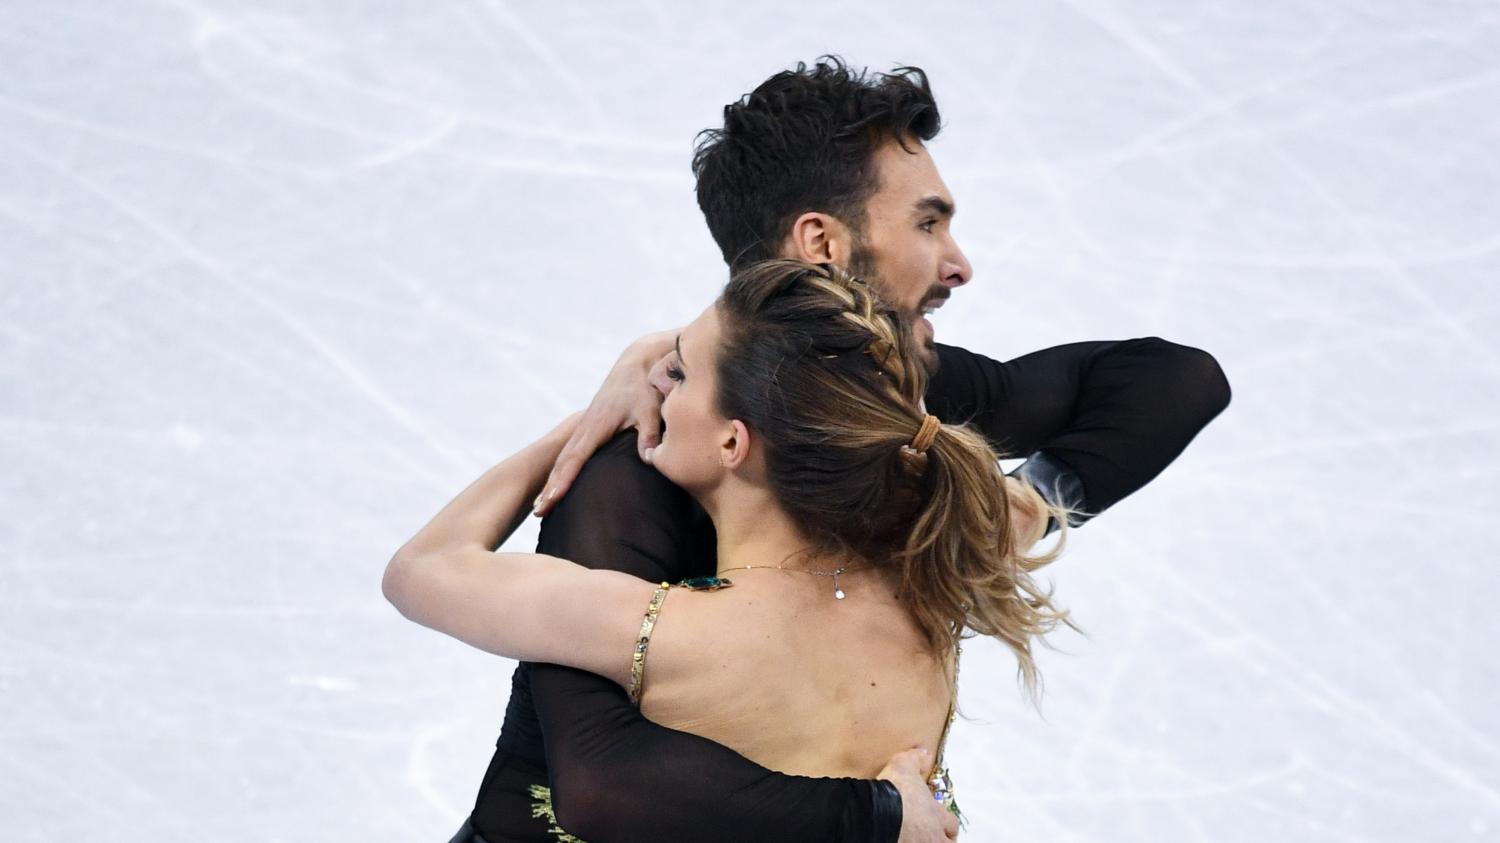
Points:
x=838 y=593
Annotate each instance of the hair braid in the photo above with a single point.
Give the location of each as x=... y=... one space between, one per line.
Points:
x=888 y=344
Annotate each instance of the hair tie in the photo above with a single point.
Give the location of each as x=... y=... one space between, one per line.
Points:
x=925 y=434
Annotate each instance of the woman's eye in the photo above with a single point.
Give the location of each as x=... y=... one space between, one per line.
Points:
x=674 y=373
x=927 y=226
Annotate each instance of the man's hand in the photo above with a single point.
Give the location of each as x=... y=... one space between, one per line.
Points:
x=627 y=399
x=923 y=818
x=1028 y=512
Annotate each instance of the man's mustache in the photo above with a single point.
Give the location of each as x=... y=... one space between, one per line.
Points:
x=936 y=294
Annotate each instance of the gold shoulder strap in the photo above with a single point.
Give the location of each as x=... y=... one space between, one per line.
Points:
x=638 y=658
x=958 y=652
x=941 y=783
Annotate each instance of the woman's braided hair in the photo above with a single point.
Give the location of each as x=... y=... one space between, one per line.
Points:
x=825 y=372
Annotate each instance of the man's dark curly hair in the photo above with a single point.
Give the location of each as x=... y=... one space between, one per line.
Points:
x=804 y=140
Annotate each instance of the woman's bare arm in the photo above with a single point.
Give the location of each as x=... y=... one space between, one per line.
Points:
x=524 y=606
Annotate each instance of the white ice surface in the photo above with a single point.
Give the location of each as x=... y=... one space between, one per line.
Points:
x=280 y=278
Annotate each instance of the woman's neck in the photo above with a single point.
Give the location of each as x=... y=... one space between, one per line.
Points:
x=754 y=529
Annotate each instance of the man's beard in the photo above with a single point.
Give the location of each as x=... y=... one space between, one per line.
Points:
x=862 y=266
x=862 y=263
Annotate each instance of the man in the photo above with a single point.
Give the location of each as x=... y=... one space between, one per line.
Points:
x=823 y=164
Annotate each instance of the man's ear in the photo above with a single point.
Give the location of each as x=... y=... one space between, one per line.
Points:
x=735 y=448
x=817 y=237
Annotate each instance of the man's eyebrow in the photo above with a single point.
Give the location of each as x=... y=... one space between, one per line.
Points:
x=935 y=205
x=679 y=352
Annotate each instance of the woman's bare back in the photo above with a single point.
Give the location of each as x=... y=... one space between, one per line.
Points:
x=778 y=669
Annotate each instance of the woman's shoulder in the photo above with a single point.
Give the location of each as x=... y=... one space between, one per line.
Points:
x=729 y=614
x=762 y=616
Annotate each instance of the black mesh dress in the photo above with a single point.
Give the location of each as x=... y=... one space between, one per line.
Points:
x=1097 y=420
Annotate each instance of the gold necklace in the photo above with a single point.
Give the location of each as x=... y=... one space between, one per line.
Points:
x=718 y=581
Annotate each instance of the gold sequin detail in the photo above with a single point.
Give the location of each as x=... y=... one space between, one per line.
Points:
x=941 y=783
x=638 y=657
x=542 y=807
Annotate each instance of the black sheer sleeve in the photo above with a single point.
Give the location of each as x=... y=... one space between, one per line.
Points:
x=616 y=775
x=1106 y=416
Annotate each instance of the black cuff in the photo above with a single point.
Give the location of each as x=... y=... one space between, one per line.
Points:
x=1058 y=484
x=885 y=812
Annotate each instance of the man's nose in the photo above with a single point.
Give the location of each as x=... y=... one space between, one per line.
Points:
x=956 y=270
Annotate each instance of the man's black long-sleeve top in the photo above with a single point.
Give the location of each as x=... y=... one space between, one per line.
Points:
x=1106 y=416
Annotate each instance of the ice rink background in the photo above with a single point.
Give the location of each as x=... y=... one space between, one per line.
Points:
x=281 y=278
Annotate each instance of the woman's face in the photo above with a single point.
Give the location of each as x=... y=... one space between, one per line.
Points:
x=691 y=453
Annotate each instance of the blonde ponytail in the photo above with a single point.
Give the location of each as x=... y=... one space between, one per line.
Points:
x=964 y=567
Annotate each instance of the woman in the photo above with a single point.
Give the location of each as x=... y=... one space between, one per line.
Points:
x=858 y=539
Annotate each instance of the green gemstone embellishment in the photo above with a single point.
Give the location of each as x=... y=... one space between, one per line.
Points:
x=705 y=583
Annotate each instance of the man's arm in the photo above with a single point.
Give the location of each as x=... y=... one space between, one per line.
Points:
x=616 y=775
x=1096 y=420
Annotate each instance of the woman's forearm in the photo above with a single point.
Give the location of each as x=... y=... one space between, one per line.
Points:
x=492 y=507
x=525 y=606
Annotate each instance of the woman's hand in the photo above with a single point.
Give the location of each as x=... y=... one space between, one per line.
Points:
x=626 y=399
x=569 y=426
x=552 y=444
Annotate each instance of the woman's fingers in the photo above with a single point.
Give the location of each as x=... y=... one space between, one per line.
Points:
x=557 y=484
x=600 y=422
x=648 y=430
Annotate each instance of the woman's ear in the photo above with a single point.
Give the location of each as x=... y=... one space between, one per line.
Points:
x=735 y=448
x=817 y=237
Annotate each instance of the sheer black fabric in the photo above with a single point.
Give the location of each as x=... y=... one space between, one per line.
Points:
x=614 y=774
x=1114 y=413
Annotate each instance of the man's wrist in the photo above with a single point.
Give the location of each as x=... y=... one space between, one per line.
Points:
x=885 y=812
x=1058 y=484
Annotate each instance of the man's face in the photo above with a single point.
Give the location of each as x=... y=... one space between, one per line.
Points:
x=908 y=252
